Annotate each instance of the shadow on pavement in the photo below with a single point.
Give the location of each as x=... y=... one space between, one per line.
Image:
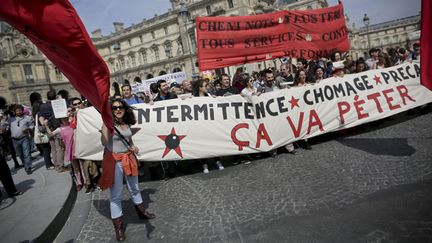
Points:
x=129 y=214
x=380 y=146
x=25 y=185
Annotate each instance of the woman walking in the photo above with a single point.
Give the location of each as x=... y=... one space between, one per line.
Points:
x=119 y=161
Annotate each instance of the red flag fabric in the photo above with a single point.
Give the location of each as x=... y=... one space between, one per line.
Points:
x=226 y=41
x=426 y=44
x=56 y=29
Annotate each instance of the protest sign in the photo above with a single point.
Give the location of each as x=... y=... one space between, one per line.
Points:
x=204 y=127
x=144 y=86
x=227 y=41
x=59 y=108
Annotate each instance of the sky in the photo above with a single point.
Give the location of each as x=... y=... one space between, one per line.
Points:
x=102 y=13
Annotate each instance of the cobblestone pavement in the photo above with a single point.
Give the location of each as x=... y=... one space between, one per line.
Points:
x=369 y=187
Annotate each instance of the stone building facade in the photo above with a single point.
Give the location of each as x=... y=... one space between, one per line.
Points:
x=166 y=44
x=396 y=33
x=24 y=69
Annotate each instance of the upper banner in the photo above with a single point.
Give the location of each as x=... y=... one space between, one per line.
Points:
x=203 y=127
x=227 y=41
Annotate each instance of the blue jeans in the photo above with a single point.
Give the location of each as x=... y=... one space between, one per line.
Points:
x=22 y=148
x=117 y=189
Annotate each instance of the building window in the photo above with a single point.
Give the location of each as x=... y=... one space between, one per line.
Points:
x=111 y=65
x=193 y=42
x=133 y=61
x=130 y=42
x=144 y=57
x=28 y=73
x=208 y=8
x=116 y=47
x=166 y=30
x=156 y=53
x=153 y=35
x=141 y=39
x=168 y=51
x=230 y=4
x=122 y=63
x=58 y=74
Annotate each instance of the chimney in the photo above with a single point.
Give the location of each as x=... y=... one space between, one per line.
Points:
x=97 y=33
x=118 y=26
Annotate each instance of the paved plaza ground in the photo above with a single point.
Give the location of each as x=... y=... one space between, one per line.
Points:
x=371 y=184
x=374 y=186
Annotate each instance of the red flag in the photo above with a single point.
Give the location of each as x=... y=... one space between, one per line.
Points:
x=426 y=44
x=56 y=29
x=235 y=40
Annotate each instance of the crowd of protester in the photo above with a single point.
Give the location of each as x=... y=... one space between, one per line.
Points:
x=18 y=122
x=17 y=131
x=289 y=74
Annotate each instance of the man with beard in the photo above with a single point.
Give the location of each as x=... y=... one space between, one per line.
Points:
x=163 y=94
x=163 y=91
x=226 y=88
x=285 y=76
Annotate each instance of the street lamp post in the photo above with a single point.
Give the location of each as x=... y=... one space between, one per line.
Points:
x=366 y=22
x=184 y=14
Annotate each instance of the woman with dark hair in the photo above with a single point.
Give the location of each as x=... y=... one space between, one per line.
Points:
x=201 y=88
x=202 y=91
x=35 y=102
x=120 y=161
x=248 y=83
x=301 y=79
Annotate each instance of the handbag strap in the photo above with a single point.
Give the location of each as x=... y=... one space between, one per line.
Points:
x=37 y=122
x=122 y=137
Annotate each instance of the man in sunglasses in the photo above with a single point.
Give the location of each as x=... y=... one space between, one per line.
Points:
x=76 y=103
x=20 y=127
x=88 y=167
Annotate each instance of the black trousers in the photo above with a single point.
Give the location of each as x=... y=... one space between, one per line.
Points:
x=46 y=147
x=6 y=177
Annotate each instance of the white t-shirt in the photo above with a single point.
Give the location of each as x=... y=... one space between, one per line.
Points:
x=247 y=92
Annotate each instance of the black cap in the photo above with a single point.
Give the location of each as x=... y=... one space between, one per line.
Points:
x=174 y=84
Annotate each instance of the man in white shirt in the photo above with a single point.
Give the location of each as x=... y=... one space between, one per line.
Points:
x=21 y=127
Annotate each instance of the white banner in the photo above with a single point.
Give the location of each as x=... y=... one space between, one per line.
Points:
x=203 y=127
x=144 y=86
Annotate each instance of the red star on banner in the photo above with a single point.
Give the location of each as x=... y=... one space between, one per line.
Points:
x=377 y=79
x=294 y=102
x=172 y=141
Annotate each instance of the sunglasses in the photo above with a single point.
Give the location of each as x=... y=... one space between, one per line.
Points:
x=78 y=103
x=117 y=107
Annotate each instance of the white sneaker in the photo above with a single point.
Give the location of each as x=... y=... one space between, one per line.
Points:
x=205 y=167
x=219 y=165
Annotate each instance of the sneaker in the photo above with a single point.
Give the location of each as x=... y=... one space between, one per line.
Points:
x=219 y=165
x=205 y=167
x=17 y=193
x=29 y=171
x=78 y=188
x=51 y=168
x=290 y=148
x=88 y=190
